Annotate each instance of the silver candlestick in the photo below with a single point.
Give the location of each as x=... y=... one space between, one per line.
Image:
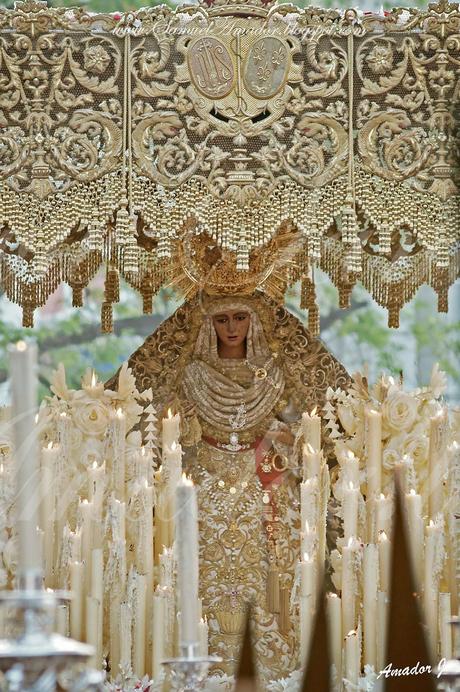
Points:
x=189 y=670
x=37 y=659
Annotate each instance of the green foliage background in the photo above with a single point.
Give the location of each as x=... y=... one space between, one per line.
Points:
x=359 y=336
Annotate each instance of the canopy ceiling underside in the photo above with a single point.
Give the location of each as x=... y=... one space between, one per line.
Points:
x=237 y=146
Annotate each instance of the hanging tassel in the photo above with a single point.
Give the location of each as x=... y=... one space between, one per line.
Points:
x=242 y=257
x=131 y=250
x=284 y=619
x=122 y=224
x=313 y=320
x=308 y=302
x=77 y=295
x=393 y=316
x=345 y=296
x=273 y=589
x=27 y=316
x=112 y=286
x=147 y=303
x=106 y=317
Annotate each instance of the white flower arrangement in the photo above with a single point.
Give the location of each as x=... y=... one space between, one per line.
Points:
x=405 y=424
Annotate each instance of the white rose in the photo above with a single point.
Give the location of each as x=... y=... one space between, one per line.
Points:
x=92 y=450
x=391 y=457
x=91 y=417
x=399 y=411
x=416 y=446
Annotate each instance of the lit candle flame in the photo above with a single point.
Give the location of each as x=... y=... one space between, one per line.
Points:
x=170 y=415
x=93 y=379
x=382 y=496
x=412 y=492
x=313 y=413
x=21 y=346
x=431 y=523
x=173 y=446
x=94 y=465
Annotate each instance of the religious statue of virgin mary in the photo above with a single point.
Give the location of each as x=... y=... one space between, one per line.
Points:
x=240 y=370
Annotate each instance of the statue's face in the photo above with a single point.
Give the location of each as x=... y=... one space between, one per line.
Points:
x=231 y=326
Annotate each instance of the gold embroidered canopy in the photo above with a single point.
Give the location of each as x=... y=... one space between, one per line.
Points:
x=229 y=144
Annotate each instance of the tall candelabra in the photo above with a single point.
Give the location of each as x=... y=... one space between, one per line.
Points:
x=36 y=659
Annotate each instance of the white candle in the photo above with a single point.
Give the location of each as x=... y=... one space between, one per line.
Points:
x=159 y=635
x=48 y=464
x=373 y=443
x=23 y=371
x=96 y=484
x=86 y=516
x=139 y=626
x=433 y=539
x=382 y=620
x=97 y=593
x=166 y=568
x=351 y=469
x=203 y=637
x=334 y=618
x=92 y=628
x=311 y=461
x=306 y=627
x=170 y=429
x=308 y=577
x=76 y=604
x=187 y=559
x=97 y=574
x=172 y=468
x=75 y=545
x=350 y=511
x=383 y=506
x=350 y=557
x=384 y=561
x=416 y=533
x=370 y=575
x=309 y=501
x=144 y=551
x=352 y=658
x=311 y=426
x=118 y=420
x=115 y=633
x=437 y=459
x=125 y=635
x=445 y=629
x=309 y=540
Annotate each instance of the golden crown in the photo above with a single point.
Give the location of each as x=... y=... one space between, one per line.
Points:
x=203 y=266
